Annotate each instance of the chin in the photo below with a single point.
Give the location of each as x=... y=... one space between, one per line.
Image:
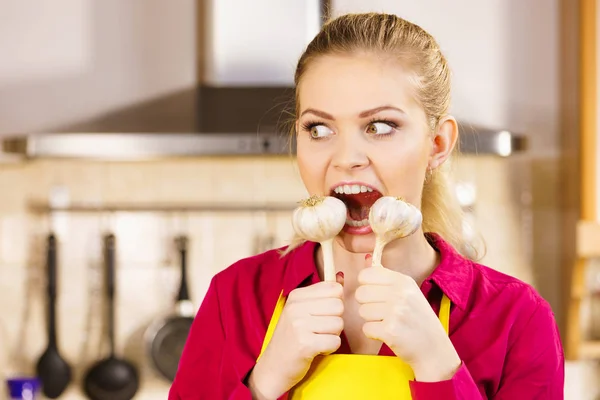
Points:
x=357 y=243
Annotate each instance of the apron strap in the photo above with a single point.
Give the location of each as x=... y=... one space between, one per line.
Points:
x=444 y=317
x=272 y=323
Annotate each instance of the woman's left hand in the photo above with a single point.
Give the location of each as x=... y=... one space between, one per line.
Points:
x=397 y=313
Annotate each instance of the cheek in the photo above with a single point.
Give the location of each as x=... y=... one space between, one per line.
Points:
x=310 y=167
x=403 y=168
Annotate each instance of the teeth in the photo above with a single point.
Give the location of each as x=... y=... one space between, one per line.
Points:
x=354 y=223
x=352 y=189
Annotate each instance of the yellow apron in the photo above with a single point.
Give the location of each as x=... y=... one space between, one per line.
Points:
x=354 y=376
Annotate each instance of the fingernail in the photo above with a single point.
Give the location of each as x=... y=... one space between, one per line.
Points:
x=368 y=257
x=339 y=278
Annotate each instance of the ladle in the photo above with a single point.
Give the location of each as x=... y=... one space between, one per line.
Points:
x=111 y=378
x=52 y=370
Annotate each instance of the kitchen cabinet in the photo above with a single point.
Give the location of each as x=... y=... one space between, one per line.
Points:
x=584 y=169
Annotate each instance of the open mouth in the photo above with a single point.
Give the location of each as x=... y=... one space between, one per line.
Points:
x=358 y=199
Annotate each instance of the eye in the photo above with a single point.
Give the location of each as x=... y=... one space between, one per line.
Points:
x=379 y=128
x=319 y=131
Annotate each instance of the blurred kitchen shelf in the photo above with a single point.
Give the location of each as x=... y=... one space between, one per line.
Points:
x=588 y=248
x=41 y=207
x=590 y=350
x=8 y=158
x=588 y=239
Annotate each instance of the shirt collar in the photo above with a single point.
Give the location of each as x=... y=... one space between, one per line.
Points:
x=301 y=266
x=453 y=275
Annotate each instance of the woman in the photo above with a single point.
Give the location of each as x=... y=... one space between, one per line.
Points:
x=373 y=92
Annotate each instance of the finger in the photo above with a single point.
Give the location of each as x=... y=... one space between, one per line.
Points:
x=376 y=276
x=316 y=291
x=373 y=311
x=327 y=344
x=370 y=294
x=326 y=325
x=327 y=307
x=373 y=330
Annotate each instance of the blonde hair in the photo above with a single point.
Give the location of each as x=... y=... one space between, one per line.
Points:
x=393 y=36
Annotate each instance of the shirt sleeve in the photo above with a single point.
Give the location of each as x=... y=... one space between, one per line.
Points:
x=534 y=367
x=205 y=372
x=461 y=386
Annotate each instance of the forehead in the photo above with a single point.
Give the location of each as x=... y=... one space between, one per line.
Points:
x=349 y=84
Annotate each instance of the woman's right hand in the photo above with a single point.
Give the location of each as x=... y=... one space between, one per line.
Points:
x=310 y=324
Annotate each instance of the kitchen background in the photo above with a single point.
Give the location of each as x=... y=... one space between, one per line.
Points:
x=68 y=61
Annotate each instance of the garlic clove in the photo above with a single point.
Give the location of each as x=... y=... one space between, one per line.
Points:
x=392 y=218
x=319 y=218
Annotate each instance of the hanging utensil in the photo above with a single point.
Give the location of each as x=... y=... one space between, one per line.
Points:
x=111 y=378
x=166 y=337
x=52 y=370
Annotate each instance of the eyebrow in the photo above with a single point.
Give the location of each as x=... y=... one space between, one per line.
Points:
x=318 y=113
x=372 y=111
x=363 y=114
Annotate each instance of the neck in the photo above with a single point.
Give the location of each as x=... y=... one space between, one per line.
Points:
x=412 y=256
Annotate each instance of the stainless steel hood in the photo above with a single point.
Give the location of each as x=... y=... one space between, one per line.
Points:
x=242 y=105
x=202 y=121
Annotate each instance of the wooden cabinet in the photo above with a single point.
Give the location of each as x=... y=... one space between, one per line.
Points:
x=580 y=28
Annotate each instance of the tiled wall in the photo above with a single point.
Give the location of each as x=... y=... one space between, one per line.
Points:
x=515 y=213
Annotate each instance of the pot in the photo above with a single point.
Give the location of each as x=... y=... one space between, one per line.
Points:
x=166 y=337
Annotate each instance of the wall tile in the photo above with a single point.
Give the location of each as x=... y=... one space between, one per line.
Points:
x=581 y=378
x=132 y=182
x=13 y=239
x=16 y=181
x=184 y=180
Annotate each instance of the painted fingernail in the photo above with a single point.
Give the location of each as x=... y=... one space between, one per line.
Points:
x=339 y=278
x=368 y=257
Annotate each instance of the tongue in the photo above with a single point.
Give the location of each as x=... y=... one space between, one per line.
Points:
x=361 y=199
x=359 y=204
x=359 y=213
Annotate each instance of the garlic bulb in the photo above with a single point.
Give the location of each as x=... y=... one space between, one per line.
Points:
x=320 y=219
x=392 y=218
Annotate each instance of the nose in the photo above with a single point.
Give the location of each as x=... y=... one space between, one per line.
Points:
x=349 y=153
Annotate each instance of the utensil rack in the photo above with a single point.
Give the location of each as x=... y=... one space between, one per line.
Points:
x=221 y=207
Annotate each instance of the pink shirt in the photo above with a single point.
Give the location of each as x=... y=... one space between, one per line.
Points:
x=503 y=330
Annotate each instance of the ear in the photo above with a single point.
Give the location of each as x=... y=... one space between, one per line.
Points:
x=443 y=141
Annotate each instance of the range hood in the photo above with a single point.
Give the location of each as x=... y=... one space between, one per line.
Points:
x=241 y=106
